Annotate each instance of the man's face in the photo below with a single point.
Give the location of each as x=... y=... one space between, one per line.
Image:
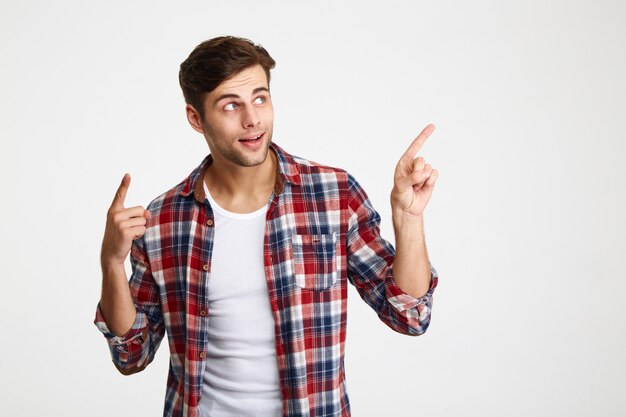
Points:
x=238 y=118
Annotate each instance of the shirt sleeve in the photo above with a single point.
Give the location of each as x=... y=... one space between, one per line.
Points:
x=370 y=269
x=133 y=351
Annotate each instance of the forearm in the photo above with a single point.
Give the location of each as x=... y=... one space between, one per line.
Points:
x=411 y=266
x=116 y=302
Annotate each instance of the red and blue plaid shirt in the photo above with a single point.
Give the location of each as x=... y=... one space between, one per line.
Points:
x=321 y=233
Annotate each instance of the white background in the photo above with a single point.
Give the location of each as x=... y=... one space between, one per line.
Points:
x=525 y=227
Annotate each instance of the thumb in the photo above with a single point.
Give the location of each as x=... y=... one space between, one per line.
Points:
x=120 y=195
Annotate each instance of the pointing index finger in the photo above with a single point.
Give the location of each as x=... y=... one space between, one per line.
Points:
x=120 y=194
x=417 y=143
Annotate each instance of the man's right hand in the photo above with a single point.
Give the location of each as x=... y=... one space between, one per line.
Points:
x=122 y=227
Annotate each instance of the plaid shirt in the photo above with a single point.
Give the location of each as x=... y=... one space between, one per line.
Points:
x=321 y=233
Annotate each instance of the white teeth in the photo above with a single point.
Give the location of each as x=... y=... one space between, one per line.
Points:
x=252 y=139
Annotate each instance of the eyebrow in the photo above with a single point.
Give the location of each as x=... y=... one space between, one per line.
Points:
x=255 y=91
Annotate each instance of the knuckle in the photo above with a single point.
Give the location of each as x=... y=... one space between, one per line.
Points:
x=117 y=217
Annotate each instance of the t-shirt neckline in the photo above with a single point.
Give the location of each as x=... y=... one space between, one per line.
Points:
x=230 y=214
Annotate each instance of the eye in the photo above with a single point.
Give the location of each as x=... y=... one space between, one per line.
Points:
x=260 y=100
x=230 y=106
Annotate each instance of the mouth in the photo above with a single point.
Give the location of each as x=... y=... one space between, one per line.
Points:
x=253 y=139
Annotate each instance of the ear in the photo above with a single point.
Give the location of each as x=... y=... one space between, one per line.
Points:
x=194 y=119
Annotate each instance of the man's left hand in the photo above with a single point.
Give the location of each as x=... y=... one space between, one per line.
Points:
x=414 y=179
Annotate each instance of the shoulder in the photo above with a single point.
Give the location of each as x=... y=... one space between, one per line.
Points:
x=180 y=197
x=310 y=167
x=318 y=178
x=167 y=198
x=312 y=172
x=321 y=182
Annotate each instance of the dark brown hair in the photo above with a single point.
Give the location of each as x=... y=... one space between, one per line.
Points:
x=216 y=60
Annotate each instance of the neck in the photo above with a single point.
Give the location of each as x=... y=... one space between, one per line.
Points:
x=231 y=181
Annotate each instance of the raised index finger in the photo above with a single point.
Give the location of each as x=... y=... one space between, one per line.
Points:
x=120 y=195
x=417 y=143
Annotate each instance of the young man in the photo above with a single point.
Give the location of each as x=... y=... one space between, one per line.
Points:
x=246 y=262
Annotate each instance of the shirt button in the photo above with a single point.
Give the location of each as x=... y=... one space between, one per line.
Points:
x=209 y=222
x=202 y=355
x=202 y=313
x=205 y=267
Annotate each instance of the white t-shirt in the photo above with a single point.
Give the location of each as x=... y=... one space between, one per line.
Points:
x=241 y=373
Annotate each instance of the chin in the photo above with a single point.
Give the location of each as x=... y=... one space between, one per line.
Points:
x=258 y=159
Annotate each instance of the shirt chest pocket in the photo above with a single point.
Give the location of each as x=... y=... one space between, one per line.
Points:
x=314 y=261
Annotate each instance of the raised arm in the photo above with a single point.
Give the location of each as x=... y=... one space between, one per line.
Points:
x=129 y=313
x=122 y=227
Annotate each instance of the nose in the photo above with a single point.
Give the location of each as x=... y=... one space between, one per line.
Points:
x=250 y=117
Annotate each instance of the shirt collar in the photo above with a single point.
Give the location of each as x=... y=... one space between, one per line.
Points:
x=287 y=171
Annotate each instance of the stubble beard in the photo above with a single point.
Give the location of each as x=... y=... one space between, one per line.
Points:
x=228 y=150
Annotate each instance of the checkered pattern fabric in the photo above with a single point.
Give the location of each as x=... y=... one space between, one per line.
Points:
x=321 y=234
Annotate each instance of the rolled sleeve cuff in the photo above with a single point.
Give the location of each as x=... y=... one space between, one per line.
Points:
x=135 y=335
x=413 y=308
